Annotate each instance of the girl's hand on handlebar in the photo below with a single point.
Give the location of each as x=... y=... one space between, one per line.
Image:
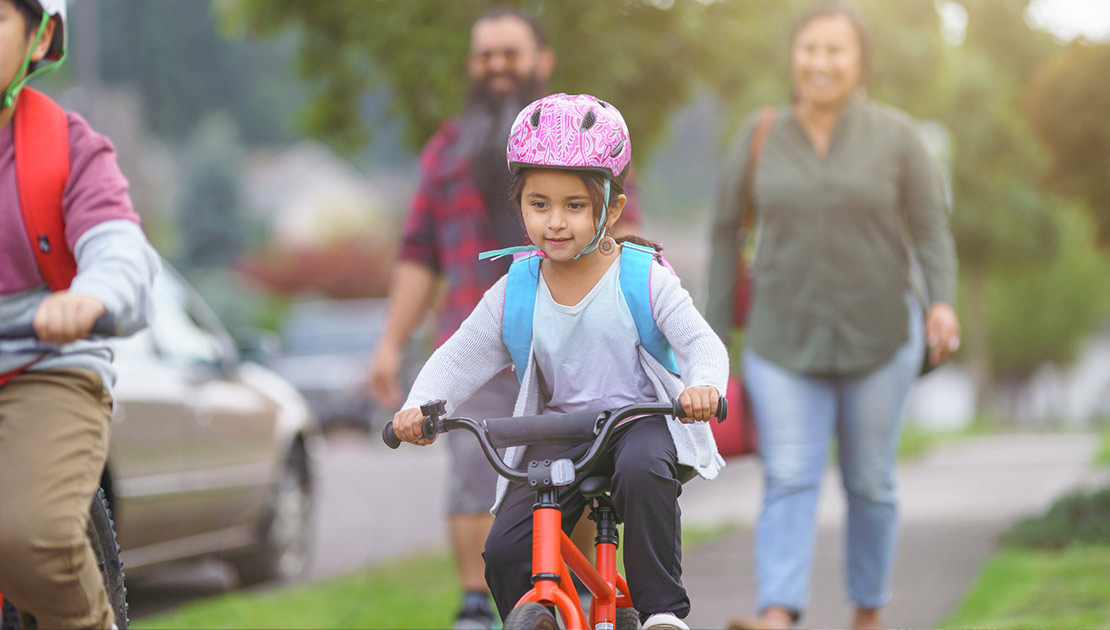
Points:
x=699 y=403
x=63 y=317
x=408 y=425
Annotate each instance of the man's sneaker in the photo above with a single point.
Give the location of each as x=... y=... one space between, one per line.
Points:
x=476 y=614
x=664 y=621
x=474 y=621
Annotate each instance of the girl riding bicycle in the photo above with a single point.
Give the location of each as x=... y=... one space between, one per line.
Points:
x=568 y=156
x=71 y=250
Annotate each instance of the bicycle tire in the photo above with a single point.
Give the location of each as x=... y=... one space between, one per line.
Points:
x=105 y=545
x=628 y=618
x=531 y=616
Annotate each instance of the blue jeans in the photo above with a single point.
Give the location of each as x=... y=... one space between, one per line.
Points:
x=797 y=416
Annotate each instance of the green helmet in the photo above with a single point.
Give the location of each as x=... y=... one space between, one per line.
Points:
x=50 y=10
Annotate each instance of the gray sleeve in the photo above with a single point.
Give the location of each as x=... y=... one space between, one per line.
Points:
x=468 y=359
x=927 y=218
x=116 y=265
x=702 y=358
x=724 y=241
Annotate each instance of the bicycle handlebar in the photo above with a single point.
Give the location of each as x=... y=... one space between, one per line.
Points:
x=572 y=428
x=104 y=326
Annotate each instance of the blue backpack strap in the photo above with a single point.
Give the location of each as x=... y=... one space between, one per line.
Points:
x=636 y=261
x=520 y=306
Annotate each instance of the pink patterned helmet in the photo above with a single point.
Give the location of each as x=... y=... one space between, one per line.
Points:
x=576 y=132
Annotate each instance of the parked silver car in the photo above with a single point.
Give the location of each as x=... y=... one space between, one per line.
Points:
x=209 y=455
x=326 y=350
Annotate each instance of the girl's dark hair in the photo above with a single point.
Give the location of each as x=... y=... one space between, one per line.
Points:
x=639 y=240
x=840 y=8
x=595 y=186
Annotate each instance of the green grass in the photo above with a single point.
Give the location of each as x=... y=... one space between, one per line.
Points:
x=1102 y=457
x=1078 y=518
x=417 y=592
x=1052 y=572
x=1027 y=588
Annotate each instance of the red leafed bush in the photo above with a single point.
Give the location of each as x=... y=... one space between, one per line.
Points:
x=339 y=270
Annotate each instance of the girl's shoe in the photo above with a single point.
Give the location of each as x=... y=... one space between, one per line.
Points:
x=664 y=621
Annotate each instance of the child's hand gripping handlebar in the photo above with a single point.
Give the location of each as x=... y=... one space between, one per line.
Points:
x=104 y=326
x=572 y=428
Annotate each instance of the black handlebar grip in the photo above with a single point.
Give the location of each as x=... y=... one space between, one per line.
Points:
x=389 y=437
x=428 y=428
x=722 y=409
x=104 y=326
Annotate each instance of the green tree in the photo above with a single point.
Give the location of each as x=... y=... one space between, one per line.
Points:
x=626 y=51
x=172 y=52
x=1068 y=100
x=1026 y=329
x=209 y=211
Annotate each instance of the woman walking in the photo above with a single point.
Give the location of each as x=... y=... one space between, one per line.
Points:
x=835 y=336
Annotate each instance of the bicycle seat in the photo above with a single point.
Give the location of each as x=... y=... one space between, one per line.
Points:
x=595 y=486
x=601 y=484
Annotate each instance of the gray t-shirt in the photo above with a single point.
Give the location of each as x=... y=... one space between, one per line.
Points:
x=587 y=354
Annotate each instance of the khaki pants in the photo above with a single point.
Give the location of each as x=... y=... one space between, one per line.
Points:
x=53 y=445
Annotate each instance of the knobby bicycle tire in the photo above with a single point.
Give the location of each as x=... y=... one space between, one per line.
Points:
x=102 y=536
x=531 y=616
x=627 y=619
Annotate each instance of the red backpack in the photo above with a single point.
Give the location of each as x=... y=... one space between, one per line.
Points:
x=42 y=170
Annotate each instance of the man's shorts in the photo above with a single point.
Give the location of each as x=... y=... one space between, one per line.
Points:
x=472 y=482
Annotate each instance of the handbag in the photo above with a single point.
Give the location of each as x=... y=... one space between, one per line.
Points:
x=737 y=435
x=742 y=290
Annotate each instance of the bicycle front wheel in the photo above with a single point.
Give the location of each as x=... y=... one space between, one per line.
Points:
x=531 y=616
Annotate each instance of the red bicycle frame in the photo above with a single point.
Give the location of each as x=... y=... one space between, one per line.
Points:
x=554 y=557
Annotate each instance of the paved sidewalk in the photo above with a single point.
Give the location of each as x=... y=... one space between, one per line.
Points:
x=954 y=504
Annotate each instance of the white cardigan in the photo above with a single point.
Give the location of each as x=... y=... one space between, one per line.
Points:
x=475 y=353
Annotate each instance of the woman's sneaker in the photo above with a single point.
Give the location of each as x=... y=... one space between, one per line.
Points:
x=664 y=621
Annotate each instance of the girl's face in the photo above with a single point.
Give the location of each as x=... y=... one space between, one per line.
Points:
x=558 y=214
x=826 y=61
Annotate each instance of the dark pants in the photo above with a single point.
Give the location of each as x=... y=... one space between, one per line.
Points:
x=642 y=461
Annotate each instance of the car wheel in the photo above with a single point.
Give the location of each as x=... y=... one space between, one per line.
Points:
x=282 y=552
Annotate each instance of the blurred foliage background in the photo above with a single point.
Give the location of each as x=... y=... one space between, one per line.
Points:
x=1026 y=114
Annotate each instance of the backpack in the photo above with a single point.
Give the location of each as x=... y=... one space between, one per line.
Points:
x=520 y=306
x=41 y=134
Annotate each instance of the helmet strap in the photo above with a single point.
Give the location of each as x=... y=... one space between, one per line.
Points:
x=599 y=232
x=17 y=83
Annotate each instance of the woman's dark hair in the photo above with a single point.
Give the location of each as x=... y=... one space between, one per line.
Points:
x=840 y=8
x=595 y=186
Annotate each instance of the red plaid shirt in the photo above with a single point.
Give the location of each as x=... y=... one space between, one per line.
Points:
x=448 y=226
